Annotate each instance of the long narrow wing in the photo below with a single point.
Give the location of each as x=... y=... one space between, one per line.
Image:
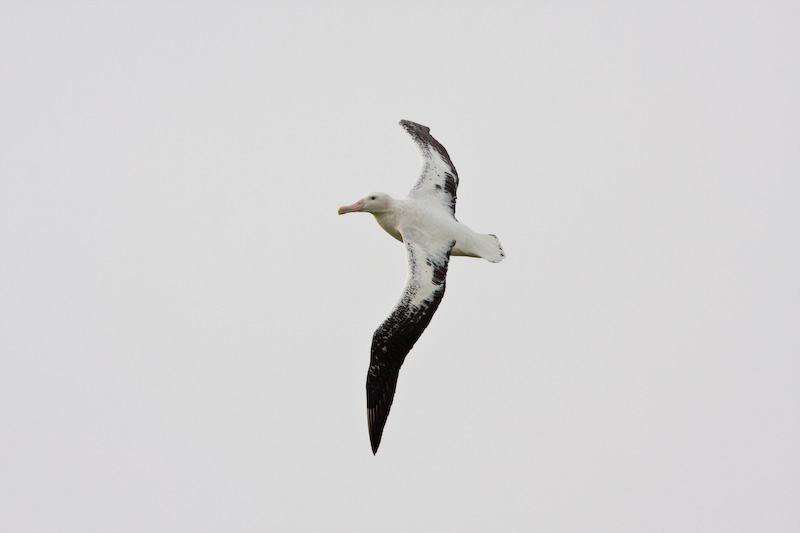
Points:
x=438 y=177
x=427 y=268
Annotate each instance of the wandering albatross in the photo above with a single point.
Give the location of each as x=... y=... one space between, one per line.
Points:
x=425 y=222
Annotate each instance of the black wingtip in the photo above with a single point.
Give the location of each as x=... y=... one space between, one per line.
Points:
x=381 y=384
x=422 y=134
x=411 y=125
x=376 y=421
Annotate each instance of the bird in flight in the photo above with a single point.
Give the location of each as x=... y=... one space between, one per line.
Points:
x=425 y=222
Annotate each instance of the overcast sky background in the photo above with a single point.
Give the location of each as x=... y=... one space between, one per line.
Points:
x=185 y=322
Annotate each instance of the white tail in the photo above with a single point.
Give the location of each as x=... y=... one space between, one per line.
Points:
x=482 y=245
x=493 y=250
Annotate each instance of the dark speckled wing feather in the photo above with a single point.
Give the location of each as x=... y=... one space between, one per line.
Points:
x=394 y=338
x=438 y=176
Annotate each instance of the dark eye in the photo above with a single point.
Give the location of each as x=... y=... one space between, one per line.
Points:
x=372 y=197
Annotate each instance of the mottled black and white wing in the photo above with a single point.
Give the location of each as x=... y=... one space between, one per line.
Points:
x=438 y=177
x=394 y=338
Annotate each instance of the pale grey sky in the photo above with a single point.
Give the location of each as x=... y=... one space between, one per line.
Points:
x=185 y=322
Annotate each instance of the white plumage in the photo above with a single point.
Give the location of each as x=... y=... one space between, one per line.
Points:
x=425 y=221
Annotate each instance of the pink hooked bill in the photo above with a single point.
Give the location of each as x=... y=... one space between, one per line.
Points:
x=358 y=206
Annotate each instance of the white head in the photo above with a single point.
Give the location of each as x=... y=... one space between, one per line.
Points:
x=375 y=202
